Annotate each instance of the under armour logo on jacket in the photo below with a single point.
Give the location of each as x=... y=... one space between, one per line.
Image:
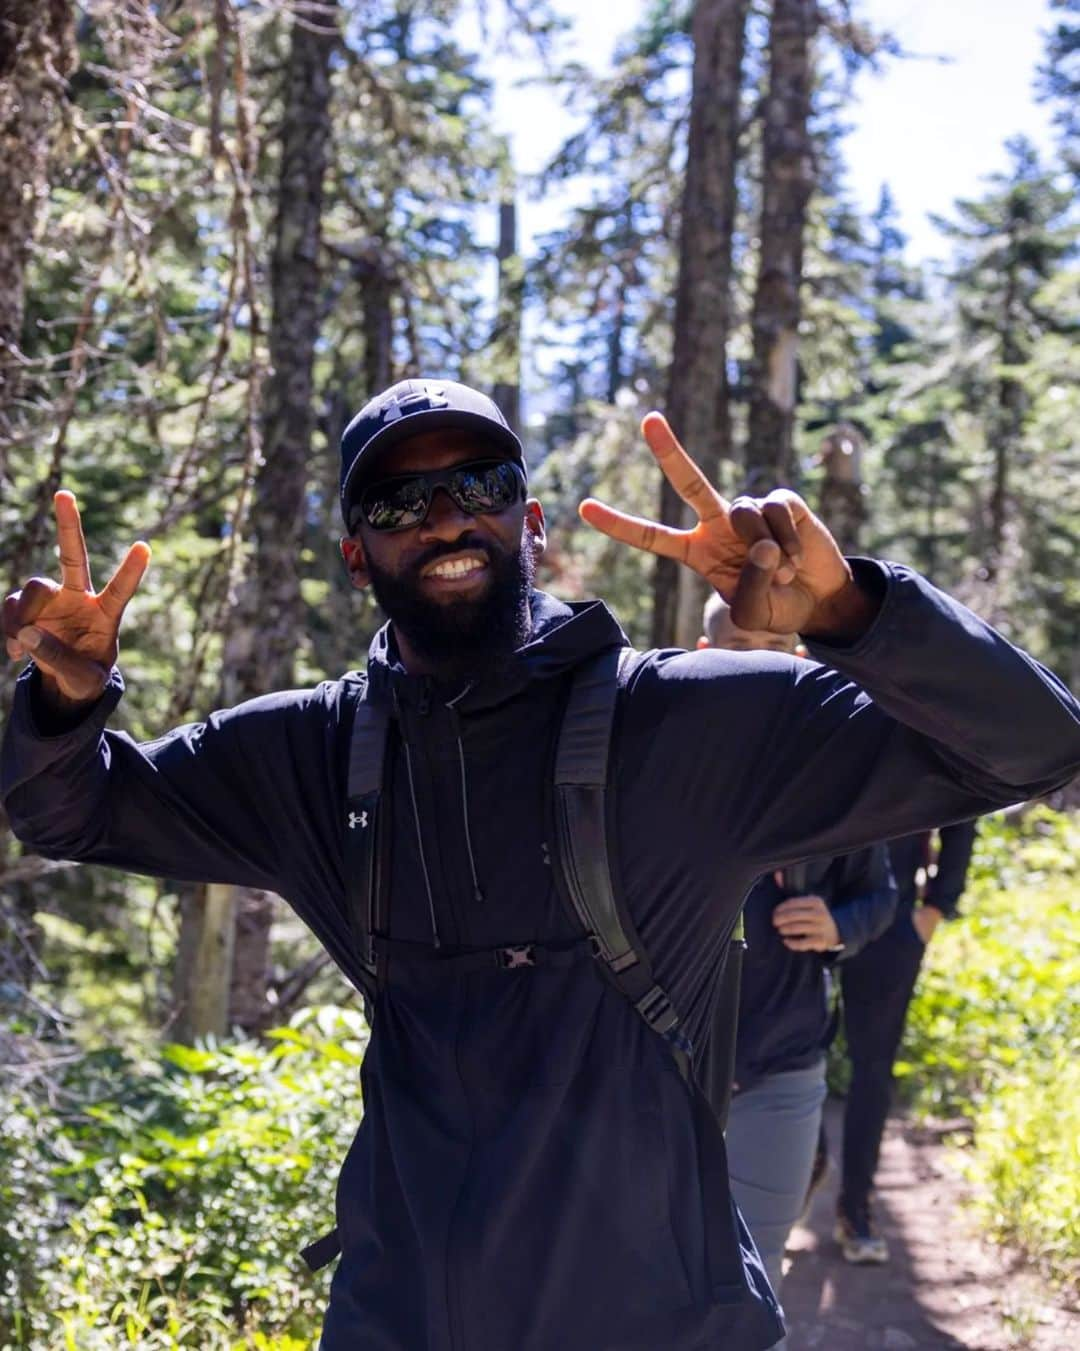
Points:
x=429 y=396
x=360 y=820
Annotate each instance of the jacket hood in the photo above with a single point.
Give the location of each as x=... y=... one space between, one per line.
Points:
x=563 y=635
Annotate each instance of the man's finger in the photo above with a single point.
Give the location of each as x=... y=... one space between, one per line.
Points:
x=71 y=544
x=803 y=944
x=124 y=582
x=800 y=905
x=680 y=470
x=633 y=530
x=750 y=523
x=751 y=606
x=23 y=607
x=780 y=516
x=801 y=926
x=79 y=676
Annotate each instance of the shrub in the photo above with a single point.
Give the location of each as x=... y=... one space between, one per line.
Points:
x=994 y=1032
x=162 y=1201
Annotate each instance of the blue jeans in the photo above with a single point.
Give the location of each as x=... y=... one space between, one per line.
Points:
x=771 y=1137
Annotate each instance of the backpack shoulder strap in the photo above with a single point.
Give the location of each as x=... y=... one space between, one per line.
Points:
x=581 y=820
x=721 y=1075
x=363 y=827
x=364 y=832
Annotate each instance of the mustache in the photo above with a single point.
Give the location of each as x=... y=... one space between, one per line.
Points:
x=436 y=551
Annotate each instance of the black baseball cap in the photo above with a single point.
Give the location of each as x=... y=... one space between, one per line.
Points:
x=410 y=408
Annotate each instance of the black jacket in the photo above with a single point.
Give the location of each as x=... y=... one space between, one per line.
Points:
x=785 y=1018
x=529 y=1173
x=912 y=852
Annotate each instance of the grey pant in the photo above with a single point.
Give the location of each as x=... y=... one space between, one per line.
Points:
x=771 y=1137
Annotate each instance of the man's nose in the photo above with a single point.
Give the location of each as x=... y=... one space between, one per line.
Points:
x=445 y=519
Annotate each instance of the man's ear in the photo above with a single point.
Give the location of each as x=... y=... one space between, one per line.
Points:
x=536 y=527
x=703 y=643
x=352 y=551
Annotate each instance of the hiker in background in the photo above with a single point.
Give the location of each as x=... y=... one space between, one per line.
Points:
x=798 y=921
x=877 y=987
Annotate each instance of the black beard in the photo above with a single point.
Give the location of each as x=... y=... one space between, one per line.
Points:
x=464 y=639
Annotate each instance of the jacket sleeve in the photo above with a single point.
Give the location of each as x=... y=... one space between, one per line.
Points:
x=931 y=717
x=215 y=801
x=252 y=796
x=864 y=900
x=945 y=888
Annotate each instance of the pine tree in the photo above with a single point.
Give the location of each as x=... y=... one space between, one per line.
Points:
x=1008 y=246
x=788 y=178
x=1058 y=80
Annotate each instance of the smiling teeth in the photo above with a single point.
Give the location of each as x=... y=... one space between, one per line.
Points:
x=458 y=567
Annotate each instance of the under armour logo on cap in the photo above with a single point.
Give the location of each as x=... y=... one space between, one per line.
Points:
x=428 y=396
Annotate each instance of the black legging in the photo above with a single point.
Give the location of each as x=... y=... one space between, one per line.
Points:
x=877 y=986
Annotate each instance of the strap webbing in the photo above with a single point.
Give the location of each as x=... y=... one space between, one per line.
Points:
x=363 y=826
x=323 y=1251
x=581 y=801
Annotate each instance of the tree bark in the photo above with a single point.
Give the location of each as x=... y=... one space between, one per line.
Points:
x=697 y=395
x=788 y=180
x=506 y=339
x=842 y=505
x=37 y=53
x=1012 y=403
x=204 y=961
x=265 y=628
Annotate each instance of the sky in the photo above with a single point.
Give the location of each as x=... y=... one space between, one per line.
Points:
x=931 y=128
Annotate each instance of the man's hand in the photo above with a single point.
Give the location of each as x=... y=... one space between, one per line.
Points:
x=71 y=631
x=924 y=920
x=805 y=924
x=770 y=558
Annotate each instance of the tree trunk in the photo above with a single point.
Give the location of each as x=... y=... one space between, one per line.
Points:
x=697 y=396
x=842 y=505
x=1012 y=402
x=267 y=621
x=203 y=963
x=374 y=274
x=37 y=53
x=788 y=180
x=506 y=340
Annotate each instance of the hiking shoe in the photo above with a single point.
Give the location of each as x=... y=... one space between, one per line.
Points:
x=859 y=1241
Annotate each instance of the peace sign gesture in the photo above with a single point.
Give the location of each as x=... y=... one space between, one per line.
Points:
x=70 y=630
x=770 y=558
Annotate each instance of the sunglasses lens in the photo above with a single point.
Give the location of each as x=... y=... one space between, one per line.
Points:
x=396 y=505
x=479 y=488
x=485 y=488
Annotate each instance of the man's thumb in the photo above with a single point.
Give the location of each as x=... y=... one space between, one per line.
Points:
x=750 y=608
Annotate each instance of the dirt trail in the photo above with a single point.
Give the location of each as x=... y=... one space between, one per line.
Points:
x=945 y=1288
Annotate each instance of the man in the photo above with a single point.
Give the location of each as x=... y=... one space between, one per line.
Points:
x=798 y=921
x=877 y=989
x=533 y=1170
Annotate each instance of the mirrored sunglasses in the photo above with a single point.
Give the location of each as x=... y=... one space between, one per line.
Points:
x=480 y=488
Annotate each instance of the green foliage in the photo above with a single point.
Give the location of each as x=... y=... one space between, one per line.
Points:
x=994 y=1031
x=161 y=1201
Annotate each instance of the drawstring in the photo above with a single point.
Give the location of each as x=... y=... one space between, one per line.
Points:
x=420 y=843
x=478 y=894
x=419 y=832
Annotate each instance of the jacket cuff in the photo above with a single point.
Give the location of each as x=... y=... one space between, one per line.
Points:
x=35 y=719
x=878 y=579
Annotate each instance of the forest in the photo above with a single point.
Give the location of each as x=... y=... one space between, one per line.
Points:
x=224 y=224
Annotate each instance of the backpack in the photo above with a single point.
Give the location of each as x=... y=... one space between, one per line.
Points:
x=583 y=873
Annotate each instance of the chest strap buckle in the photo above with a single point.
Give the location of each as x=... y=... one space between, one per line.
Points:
x=509 y=958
